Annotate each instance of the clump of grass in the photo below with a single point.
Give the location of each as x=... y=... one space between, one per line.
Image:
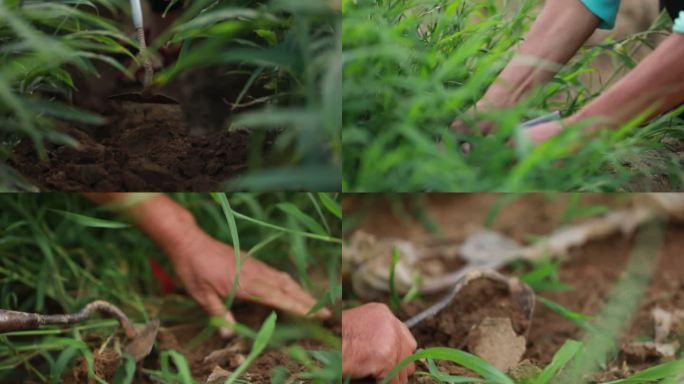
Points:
x=59 y=251
x=291 y=46
x=299 y=49
x=38 y=40
x=411 y=67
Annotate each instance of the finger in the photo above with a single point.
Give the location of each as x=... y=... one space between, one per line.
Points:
x=276 y=298
x=460 y=127
x=408 y=346
x=212 y=304
x=411 y=367
x=409 y=340
x=290 y=288
x=277 y=289
x=227 y=332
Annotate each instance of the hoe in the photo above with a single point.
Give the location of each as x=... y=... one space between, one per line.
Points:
x=140 y=339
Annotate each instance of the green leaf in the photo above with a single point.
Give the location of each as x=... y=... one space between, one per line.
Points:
x=301 y=217
x=672 y=369
x=569 y=350
x=92 y=222
x=183 y=373
x=489 y=372
x=222 y=199
x=260 y=343
x=330 y=204
x=394 y=296
x=65 y=357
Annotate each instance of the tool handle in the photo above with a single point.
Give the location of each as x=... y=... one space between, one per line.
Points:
x=147 y=63
x=137 y=14
x=15 y=321
x=540 y=120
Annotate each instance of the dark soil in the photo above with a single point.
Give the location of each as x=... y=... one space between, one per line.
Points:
x=591 y=270
x=143 y=147
x=204 y=353
x=480 y=299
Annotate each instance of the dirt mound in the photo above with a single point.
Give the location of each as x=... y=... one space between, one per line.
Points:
x=143 y=147
x=480 y=299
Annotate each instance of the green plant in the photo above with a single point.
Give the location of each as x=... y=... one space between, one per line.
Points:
x=569 y=353
x=39 y=39
x=410 y=67
x=291 y=46
x=58 y=251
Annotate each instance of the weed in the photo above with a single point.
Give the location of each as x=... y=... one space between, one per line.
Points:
x=292 y=47
x=410 y=67
x=58 y=251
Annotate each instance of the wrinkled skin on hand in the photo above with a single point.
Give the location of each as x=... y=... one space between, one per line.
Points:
x=207 y=266
x=543 y=132
x=374 y=341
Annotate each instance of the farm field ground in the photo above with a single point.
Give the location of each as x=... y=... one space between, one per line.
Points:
x=241 y=95
x=60 y=252
x=572 y=292
x=145 y=147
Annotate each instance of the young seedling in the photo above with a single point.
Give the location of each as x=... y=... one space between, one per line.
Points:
x=140 y=341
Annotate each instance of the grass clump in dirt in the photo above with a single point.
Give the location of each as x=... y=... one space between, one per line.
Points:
x=258 y=80
x=595 y=319
x=411 y=67
x=60 y=252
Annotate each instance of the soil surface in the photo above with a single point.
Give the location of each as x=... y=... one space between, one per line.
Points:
x=205 y=354
x=480 y=299
x=591 y=271
x=143 y=147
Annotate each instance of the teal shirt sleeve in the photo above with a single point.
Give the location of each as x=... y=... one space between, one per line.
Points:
x=679 y=23
x=606 y=10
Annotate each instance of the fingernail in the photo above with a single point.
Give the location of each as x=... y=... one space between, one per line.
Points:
x=227 y=332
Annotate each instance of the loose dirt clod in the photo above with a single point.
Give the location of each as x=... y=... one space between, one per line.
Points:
x=494 y=340
x=478 y=300
x=105 y=365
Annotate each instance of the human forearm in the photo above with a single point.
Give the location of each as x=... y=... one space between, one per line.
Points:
x=562 y=27
x=166 y=222
x=656 y=85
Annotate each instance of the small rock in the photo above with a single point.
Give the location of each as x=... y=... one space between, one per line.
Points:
x=218 y=375
x=494 y=340
x=662 y=321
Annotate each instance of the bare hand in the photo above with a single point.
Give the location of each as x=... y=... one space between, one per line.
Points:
x=206 y=267
x=543 y=132
x=483 y=127
x=374 y=341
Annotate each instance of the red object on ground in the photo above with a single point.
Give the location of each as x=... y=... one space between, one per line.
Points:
x=166 y=284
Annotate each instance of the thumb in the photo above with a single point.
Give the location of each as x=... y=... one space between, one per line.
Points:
x=214 y=307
